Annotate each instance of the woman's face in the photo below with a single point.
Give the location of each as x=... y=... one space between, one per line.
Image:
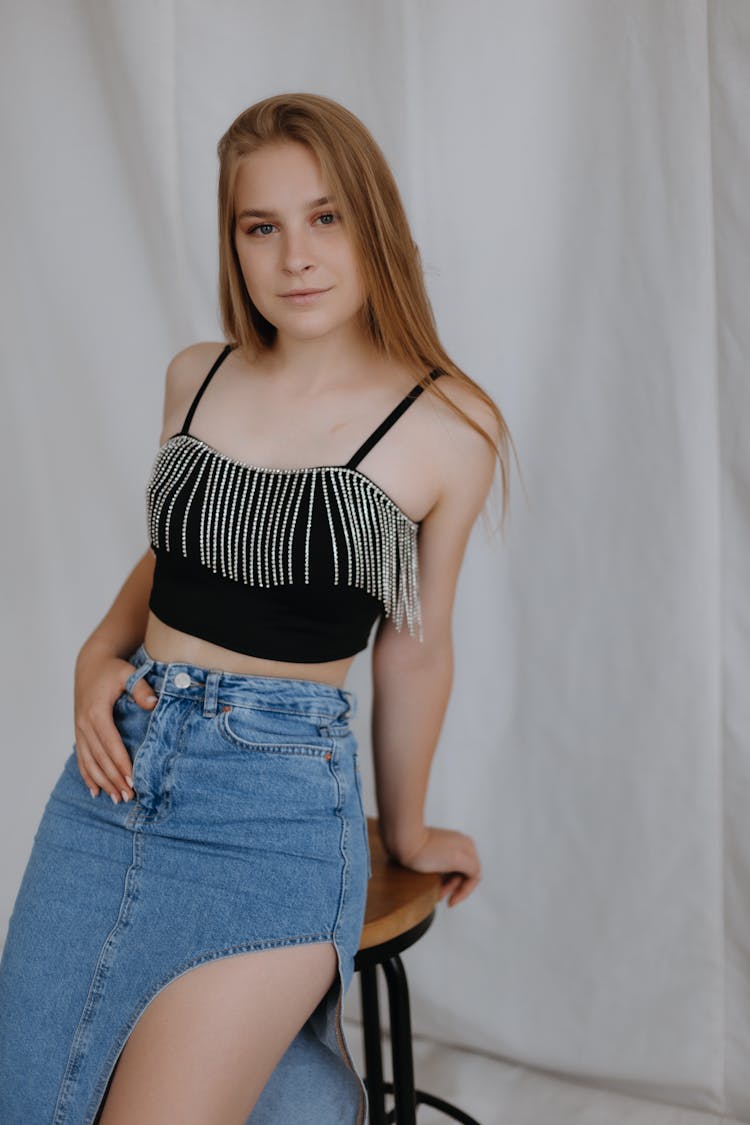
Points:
x=288 y=238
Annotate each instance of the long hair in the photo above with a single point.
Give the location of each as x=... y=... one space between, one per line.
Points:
x=397 y=315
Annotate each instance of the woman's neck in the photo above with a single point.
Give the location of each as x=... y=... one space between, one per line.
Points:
x=322 y=361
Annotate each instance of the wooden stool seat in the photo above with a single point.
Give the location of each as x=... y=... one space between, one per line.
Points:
x=400 y=909
x=397 y=898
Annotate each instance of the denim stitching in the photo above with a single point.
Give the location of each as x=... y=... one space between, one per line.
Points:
x=303 y=749
x=360 y=798
x=295 y=713
x=362 y=1109
x=96 y=988
x=156 y=816
x=133 y=816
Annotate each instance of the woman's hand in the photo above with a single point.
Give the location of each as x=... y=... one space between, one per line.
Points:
x=100 y=677
x=454 y=854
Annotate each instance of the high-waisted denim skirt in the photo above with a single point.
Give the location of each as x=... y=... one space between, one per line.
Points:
x=247 y=832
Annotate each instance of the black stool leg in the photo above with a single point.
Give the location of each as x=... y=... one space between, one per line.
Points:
x=401 y=1053
x=373 y=1048
x=407 y=1098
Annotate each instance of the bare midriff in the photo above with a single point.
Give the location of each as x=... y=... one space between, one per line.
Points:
x=168 y=645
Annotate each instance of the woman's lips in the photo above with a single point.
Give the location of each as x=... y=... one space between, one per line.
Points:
x=304 y=298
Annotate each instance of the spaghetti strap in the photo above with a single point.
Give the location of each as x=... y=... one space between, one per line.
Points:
x=217 y=363
x=386 y=424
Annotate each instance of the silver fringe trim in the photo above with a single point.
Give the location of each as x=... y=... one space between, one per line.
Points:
x=249 y=516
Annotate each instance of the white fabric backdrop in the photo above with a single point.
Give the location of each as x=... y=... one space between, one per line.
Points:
x=576 y=173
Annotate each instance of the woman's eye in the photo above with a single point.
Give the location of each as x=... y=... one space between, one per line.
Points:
x=328 y=217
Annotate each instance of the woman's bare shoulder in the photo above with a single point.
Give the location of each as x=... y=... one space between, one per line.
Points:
x=185 y=373
x=465 y=453
x=467 y=397
x=193 y=358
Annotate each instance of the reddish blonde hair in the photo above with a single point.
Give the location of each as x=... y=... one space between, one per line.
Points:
x=397 y=315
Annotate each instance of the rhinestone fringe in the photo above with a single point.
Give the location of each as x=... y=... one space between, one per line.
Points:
x=249 y=516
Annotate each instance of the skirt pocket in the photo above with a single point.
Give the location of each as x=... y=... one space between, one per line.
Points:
x=132 y=722
x=255 y=728
x=261 y=767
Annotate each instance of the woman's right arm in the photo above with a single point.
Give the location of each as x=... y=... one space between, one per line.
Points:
x=101 y=672
x=102 y=668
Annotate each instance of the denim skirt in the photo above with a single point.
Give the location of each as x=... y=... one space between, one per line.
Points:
x=247 y=832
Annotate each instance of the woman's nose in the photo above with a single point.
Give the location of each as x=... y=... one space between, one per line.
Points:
x=297 y=251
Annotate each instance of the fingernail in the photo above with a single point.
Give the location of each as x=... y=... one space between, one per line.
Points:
x=129 y=780
x=151 y=699
x=125 y=796
x=115 y=800
x=92 y=791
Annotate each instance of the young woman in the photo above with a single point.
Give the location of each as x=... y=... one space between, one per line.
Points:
x=186 y=926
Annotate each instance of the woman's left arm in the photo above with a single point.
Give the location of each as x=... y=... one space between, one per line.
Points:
x=412 y=680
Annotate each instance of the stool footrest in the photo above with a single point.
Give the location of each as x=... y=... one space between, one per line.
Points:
x=449 y=1110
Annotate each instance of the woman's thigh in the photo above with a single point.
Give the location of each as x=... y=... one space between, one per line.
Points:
x=203 y=1049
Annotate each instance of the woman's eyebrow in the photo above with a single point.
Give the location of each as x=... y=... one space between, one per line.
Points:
x=253 y=213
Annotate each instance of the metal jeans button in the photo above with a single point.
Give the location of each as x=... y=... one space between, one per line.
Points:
x=182 y=679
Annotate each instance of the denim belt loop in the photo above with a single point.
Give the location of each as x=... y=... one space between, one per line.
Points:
x=351 y=700
x=212 y=694
x=140 y=671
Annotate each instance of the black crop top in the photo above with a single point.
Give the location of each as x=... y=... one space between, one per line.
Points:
x=286 y=564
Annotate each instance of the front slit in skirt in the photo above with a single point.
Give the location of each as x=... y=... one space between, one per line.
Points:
x=247 y=832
